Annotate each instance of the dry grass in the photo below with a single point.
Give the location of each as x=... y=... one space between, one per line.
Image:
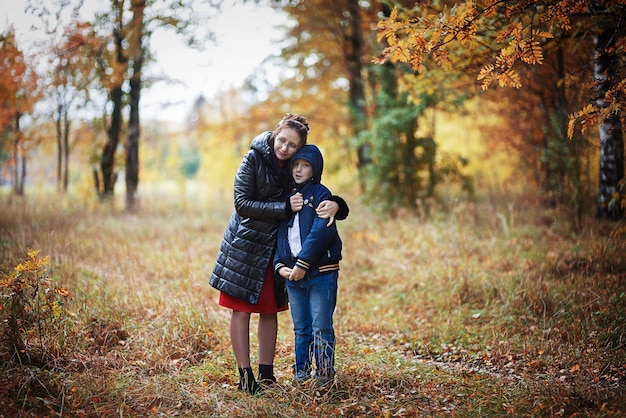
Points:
x=461 y=315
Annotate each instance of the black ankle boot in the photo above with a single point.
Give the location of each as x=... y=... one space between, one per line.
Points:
x=247 y=381
x=266 y=374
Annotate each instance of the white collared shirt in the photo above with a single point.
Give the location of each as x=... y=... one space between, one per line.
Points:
x=293 y=234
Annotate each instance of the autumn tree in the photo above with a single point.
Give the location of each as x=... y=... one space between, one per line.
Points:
x=609 y=40
x=79 y=53
x=398 y=177
x=18 y=94
x=112 y=68
x=508 y=35
x=71 y=78
x=329 y=49
x=329 y=46
x=131 y=23
x=533 y=127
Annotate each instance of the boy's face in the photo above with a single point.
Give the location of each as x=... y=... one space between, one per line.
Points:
x=301 y=171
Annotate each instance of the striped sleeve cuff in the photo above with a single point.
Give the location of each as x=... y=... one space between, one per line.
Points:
x=303 y=264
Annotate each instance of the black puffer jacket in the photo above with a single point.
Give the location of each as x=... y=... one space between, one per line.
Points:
x=250 y=237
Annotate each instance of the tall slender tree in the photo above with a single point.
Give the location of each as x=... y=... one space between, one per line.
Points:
x=131 y=40
x=609 y=42
x=18 y=94
x=70 y=79
x=137 y=52
x=330 y=45
x=114 y=85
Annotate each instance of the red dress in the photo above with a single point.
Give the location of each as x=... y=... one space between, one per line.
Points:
x=267 y=299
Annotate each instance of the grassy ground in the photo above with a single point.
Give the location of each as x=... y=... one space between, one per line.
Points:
x=472 y=313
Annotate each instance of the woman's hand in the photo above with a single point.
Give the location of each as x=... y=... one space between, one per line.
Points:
x=296 y=202
x=327 y=210
x=297 y=273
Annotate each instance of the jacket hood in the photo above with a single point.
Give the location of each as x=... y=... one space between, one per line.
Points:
x=313 y=155
x=261 y=144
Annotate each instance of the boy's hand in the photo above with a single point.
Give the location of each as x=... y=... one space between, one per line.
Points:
x=296 y=202
x=297 y=273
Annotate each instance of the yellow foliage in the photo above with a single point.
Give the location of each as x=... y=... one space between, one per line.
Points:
x=531 y=52
x=585 y=115
x=442 y=59
x=409 y=40
x=543 y=34
x=507 y=32
x=509 y=51
x=33 y=264
x=571 y=124
x=510 y=79
x=514 y=32
x=587 y=110
x=486 y=75
x=465 y=36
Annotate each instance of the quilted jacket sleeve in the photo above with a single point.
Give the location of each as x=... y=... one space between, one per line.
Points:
x=258 y=190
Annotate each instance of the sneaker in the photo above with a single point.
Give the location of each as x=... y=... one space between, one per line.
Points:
x=302 y=376
x=324 y=380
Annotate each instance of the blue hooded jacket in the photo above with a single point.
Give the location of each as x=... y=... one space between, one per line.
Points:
x=321 y=245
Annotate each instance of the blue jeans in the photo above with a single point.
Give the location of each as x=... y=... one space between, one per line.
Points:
x=312 y=304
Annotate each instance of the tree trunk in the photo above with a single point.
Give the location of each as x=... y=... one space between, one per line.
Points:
x=63 y=148
x=22 y=179
x=107 y=161
x=569 y=183
x=19 y=160
x=59 y=146
x=16 y=144
x=66 y=150
x=358 y=114
x=134 y=131
x=611 y=134
x=96 y=178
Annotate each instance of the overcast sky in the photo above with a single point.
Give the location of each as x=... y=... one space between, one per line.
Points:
x=248 y=29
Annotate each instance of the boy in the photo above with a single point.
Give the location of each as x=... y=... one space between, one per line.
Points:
x=307 y=256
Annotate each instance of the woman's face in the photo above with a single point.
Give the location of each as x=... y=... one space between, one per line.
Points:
x=286 y=143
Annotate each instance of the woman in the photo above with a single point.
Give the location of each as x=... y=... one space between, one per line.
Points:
x=243 y=270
